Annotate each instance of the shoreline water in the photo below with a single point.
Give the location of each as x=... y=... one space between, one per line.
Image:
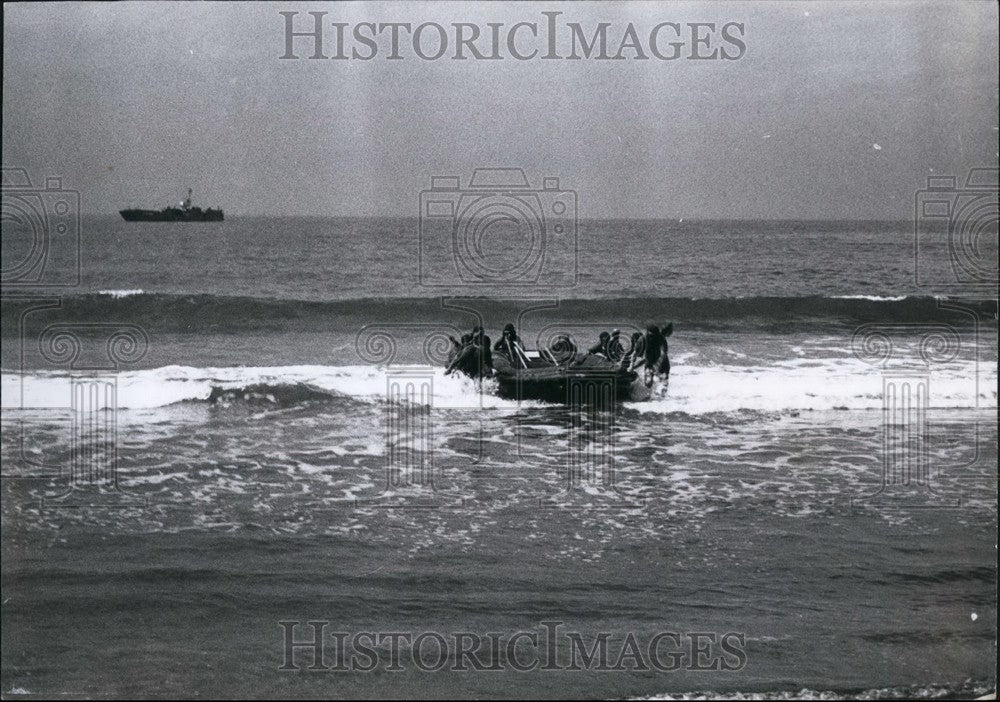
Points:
x=261 y=463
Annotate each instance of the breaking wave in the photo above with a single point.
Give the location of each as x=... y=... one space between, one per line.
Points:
x=792 y=385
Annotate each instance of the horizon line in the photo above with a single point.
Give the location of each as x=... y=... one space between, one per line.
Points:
x=658 y=218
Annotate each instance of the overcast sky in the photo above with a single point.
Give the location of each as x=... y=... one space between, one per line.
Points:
x=132 y=103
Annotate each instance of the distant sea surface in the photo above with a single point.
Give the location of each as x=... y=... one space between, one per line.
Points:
x=314 y=258
x=819 y=474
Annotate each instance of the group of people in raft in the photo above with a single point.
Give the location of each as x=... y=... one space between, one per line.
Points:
x=473 y=353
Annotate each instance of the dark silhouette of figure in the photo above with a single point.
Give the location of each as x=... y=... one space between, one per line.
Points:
x=664 y=365
x=601 y=347
x=485 y=350
x=633 y=355
x=510 y=346
x=458 y=344
x=655 y=351
x=562 y=350
x=615 y=349
x=652 y=346
x=474 y=357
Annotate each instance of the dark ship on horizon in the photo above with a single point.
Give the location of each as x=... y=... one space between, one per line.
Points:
x=184 y=212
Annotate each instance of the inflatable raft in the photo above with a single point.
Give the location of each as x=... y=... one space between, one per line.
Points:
x=580 y=378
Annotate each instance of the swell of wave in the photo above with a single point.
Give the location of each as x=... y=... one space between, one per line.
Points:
x=278 y=395
x=209 y=313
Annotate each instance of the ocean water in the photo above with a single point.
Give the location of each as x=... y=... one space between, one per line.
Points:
x=818 y=477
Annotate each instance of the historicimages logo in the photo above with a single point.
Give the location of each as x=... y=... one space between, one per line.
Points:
x=315 y=36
